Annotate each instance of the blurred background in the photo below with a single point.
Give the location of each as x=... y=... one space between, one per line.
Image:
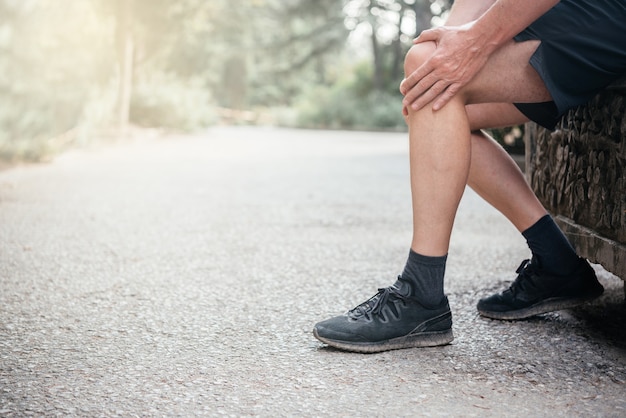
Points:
x=76 y=71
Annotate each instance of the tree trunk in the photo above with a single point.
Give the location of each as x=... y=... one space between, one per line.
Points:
x=378 y=59
x=396 y=67
x=125 y=49
x=423 y=16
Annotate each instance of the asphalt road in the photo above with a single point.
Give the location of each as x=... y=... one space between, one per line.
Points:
x=181 y=276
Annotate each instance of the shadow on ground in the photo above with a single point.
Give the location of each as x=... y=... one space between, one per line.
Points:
x=606 y=320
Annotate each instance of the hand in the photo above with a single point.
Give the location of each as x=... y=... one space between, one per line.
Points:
x=459 y=55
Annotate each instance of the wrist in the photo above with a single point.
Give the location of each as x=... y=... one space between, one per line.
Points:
x=487 y=36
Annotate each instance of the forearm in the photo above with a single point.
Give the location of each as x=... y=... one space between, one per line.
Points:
x=506 y=18
x=462 y=51
x=464 y=11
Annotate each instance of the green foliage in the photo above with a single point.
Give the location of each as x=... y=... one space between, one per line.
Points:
x=62 y=78
x=59 y=69
x=351 y=103
x=366 y=95
x=48 y=72
x=511 y=139
x=165 y=101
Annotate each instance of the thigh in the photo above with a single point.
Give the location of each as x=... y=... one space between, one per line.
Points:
x=582 y=50
x=508 y=77
x=577 y=48
x=494 y=115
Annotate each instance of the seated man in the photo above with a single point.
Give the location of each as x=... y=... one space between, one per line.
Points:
x=496 y=63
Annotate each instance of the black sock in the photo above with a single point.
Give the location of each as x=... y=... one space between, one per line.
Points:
x=550 y=247
x=425 y=274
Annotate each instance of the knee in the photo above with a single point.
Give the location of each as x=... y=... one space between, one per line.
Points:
x=417 y=55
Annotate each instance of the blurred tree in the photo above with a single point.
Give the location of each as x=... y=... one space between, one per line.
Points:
x=125 y=51
x=48 y=70
x=78 y=66
x=253 y=54
x=391 y=25
x=291 y=45
x=367 y=96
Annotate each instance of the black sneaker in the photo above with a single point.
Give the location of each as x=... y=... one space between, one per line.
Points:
x=536 y=292
x=389 y=320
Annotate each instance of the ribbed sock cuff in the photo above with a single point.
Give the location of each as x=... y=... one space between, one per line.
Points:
x=427 y=260
x=550 y=248
x=426 y=274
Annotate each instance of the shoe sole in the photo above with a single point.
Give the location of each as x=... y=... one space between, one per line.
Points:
x=425 y=339
x=545 y=306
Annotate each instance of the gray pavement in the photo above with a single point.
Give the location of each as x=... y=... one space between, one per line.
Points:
x=181 y=276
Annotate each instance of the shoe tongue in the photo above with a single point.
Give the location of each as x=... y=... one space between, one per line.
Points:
x=403 y=287
x=534 y=261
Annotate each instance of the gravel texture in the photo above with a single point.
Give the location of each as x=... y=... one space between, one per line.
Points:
x=182 y=276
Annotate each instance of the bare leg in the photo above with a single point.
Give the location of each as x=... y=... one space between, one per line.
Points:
x=440 y=159
x=507 y=191
x=441 y=146
x=414 y=312
x=493 y=173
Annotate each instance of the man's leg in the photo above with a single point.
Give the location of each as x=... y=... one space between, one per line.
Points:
x=440 y=142
x=495 y=177
x=402 y=315
x=510 y=194
x=556 y=278
x=493 y=173
x=442 y=158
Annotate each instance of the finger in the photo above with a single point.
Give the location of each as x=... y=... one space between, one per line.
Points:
x=419 y=89
x=409 y=82
x=402 y=86
x=445 y=97
x=430 y=95
x=427 y=35
x=416 y=78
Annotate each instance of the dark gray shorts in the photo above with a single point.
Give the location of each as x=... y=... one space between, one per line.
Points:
x=582 y=50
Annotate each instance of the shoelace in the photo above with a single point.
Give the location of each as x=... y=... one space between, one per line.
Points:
x=525 y=271
x=376 y=303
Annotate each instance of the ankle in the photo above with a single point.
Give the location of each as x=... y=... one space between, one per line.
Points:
x=425 y=275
